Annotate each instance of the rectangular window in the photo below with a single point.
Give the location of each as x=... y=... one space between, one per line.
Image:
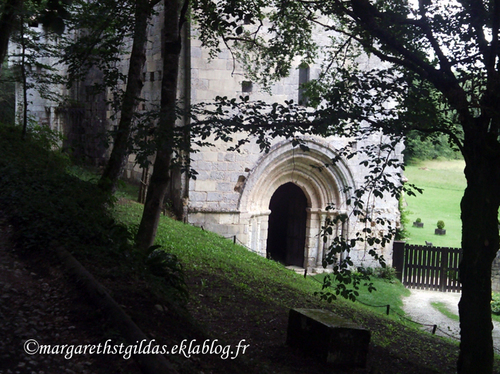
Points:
x=303 y=79
x=246 y=86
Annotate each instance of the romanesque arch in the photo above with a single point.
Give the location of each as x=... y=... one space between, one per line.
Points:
x=321 y=185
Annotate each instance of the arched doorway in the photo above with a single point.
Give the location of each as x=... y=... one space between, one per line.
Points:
x=287 y=225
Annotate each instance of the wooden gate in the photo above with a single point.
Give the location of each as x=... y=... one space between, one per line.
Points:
x=426 y=267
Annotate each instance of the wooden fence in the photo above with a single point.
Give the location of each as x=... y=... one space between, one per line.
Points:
x=427 y=267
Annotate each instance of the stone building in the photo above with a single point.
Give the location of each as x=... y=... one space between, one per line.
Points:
x=274 y=203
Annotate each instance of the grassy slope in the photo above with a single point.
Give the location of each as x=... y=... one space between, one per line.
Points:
x=443 y=183
x=204 y=252
x=235 y=294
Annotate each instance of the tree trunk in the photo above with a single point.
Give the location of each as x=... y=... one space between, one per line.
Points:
x=7 y=21
x=161 y=170
x=118 y=157
x=480 y=243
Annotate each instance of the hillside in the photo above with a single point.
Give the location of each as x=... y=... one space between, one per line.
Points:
x=443 y=182
x=233 y=293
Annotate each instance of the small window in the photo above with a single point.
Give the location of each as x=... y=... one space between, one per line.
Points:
x=152 y=76
x=303 y=79
x=246 y=86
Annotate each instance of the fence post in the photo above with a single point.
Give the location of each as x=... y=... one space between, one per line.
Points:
x=398 y=255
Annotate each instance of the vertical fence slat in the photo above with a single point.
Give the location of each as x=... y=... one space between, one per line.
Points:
x=427 y=262
x=419 y=268
x=413 y=270
x=432 y=269
x=444 y=270
x=437 y=264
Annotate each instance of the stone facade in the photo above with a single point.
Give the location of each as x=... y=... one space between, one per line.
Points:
x=234 y=191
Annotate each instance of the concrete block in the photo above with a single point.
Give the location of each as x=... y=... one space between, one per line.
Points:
x=233 y=166
x=214 y=196
x=224 y=187
x=198 y=196
x=209 y=156
x=205 y=185
x=332 y=339
x=217 y=175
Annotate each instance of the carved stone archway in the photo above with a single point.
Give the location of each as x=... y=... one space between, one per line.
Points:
x=321 y=185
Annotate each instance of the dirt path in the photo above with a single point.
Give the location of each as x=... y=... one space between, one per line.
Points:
x=38 y=305
x=418 y=307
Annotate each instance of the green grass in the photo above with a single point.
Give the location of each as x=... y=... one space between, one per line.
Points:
x=387 y=292
x=205 y=252
x=443 y=309
x=444 y=184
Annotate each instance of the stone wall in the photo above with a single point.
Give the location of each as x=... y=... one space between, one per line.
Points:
x=232 y=192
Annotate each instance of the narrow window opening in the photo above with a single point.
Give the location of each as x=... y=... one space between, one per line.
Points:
x=304 y=78
x=246 y=86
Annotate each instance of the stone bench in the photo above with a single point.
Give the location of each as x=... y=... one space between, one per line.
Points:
x=333 y=339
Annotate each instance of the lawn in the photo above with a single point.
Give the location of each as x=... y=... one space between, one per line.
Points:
x=443 y=183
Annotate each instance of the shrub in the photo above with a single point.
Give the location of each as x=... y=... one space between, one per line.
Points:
x=418 y=220
x=495 y=303
x=440 y=224
x=168 y=267
x=401 y=232
x=388 y=273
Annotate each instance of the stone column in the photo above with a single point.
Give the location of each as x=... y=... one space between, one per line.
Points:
x=321 y=245
x=263 y=231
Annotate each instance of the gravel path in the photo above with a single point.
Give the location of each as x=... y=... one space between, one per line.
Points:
x=418 y=307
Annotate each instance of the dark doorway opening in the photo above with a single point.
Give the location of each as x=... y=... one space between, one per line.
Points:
x=286 y=236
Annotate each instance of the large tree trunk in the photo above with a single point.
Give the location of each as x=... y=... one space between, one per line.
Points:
x=118 y=157
x=7 y=20
x=161 y=170
x=480 y=242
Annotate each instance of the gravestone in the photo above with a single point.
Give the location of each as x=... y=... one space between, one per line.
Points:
x=332 y=339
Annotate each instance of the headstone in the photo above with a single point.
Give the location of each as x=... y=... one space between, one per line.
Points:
x=332 y=339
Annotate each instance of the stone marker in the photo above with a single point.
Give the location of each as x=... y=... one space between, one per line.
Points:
x=333 y=339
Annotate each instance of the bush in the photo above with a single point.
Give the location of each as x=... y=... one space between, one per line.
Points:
x=495 y=303
x=420 y=146
x=388 y=273
x=440 y=224
x=418 y=220
x=168 y=267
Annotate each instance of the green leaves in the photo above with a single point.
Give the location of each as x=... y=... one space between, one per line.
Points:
x=264 y=37
x=168 y=267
